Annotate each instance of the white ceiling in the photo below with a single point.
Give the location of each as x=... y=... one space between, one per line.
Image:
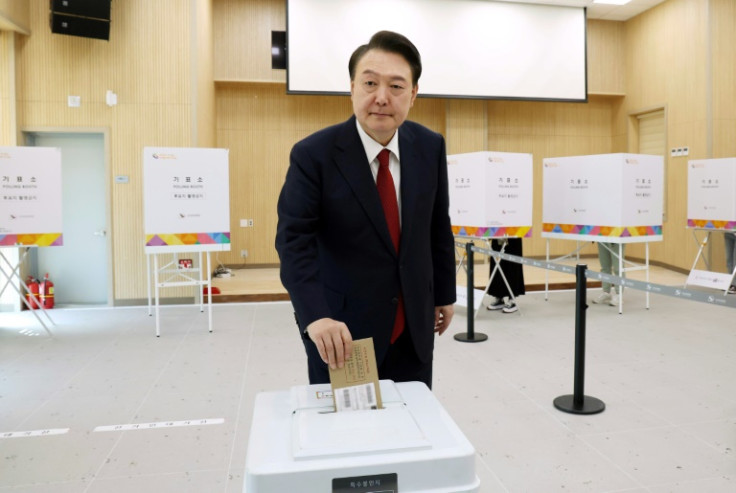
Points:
x=601 y=11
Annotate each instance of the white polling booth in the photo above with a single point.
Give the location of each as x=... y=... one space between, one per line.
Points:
x=711 y=207
x=611 y=198
x=31 y=211
x=491 y=194
x=491 y=197
x=298 y=443
x=186 y=198
x=616 y=198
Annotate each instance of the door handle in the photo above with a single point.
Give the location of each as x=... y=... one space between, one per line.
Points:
x=101 y=232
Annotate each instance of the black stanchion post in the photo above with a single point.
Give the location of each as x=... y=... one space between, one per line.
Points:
x=578 y=402
x=470 y=336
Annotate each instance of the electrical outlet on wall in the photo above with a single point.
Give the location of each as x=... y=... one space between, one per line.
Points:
x=244 y=253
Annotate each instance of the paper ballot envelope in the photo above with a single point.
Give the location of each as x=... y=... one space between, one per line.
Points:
x=355 y=385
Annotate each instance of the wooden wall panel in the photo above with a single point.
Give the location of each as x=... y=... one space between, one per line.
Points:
x=467 y=126
x=723 y=35
x=606 y=57
x=202 y=69
x=7 y=88
x=723 y=50
x=242 y=39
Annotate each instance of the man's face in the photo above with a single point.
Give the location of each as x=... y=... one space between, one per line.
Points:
x=382 y=93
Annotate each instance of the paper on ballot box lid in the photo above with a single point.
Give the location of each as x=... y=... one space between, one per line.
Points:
x=355 y=385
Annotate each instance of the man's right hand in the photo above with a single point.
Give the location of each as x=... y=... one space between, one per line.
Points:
x=333 y=340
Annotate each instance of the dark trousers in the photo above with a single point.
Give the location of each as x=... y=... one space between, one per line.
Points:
x=400 y=364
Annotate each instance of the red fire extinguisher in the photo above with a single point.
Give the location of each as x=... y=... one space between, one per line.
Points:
x=47 y=292
x=32 y=295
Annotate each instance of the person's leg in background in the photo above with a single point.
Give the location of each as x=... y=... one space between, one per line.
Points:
x=609 y=262
x=617 y=250
x=730 y=239
x=501 y=294
x=496 y=289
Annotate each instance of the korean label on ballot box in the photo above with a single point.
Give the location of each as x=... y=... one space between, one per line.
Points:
x=381 y=483
x=355 y=385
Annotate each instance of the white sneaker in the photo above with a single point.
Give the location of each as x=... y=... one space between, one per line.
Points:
x=603 y=298
x=496 y=304
x=509 y=307
x=614 y=300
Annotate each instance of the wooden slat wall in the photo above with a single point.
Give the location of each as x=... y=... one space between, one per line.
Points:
x=242 y=38
x=203 y=75
x=723 y=29
x=723 y=50
x=606 y=56
x=666 y=65
x=7 y=88
x=147 y=63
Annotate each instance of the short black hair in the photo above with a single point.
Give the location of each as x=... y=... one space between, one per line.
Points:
x=390 y=42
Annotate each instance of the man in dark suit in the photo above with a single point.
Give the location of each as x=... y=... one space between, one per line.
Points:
x=359 y=261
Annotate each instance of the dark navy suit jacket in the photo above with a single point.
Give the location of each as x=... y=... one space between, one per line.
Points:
x=337 y=258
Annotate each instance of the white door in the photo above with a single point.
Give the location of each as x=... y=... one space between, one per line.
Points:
x=79 y=269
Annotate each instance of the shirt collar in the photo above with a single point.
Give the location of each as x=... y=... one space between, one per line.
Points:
x=372 y=148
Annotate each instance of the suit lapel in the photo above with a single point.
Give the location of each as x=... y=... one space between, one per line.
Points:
x=410 y=176
x=353 y=165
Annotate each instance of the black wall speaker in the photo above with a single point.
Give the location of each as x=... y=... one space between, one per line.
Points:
x=278 y=49
x=85 y=18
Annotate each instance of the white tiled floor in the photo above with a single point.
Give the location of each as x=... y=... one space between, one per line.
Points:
x=666 y=376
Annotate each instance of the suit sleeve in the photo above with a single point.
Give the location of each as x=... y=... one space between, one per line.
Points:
x=443 y=242
x=297 y=237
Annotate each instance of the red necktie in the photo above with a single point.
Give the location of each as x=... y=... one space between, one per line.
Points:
x=387 y=192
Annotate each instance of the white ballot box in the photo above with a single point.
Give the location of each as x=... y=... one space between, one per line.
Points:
x=711 y=194
x=491 y=194
x=615 y=198
x=298 y=443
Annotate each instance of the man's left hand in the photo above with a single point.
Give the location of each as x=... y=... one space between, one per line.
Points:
x=442 y=317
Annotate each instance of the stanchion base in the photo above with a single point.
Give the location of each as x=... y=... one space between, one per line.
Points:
x=477 y=337
x=590 y=405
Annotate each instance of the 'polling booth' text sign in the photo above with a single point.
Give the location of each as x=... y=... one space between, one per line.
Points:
x=711 y=194
x=30 y=196
x=186 y=199
x=607 y=197
x=491 y=194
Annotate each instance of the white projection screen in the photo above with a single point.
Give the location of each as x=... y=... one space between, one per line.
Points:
x=469 y=48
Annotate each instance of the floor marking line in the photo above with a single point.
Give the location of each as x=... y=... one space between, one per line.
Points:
x=161 y=424
x=34 y=433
